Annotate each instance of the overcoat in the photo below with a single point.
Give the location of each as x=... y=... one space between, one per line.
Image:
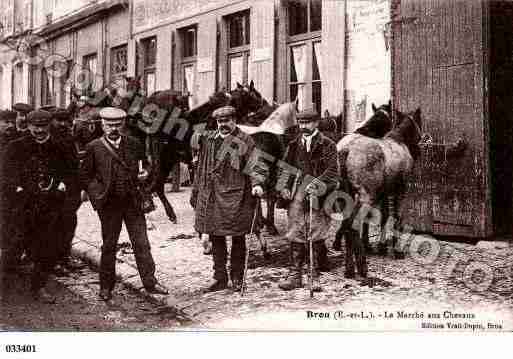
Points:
x=225 y=175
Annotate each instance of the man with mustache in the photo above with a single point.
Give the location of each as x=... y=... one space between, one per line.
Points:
x=312 y=171
x=22 y=110
x=223 y=195
x=112 y=172
x=39 y=175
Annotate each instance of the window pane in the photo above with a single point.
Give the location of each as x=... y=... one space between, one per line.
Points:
x=236 y=71
x=150 y=52
x=239 y=29
x=298 y=17
x=150 y=83
x=316 y=75
x=315 y=15
x=118 y=60
x=316 y=96
x=189 y=42
x=298 y=63
x=299 y=92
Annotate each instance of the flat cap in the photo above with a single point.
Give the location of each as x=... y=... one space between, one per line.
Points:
x=48 y=108
x=39 y=118
x=112 y=114
x=8 y=116
x=22 y=107
x=308 y=115
x=62 y=114
x=224 y=111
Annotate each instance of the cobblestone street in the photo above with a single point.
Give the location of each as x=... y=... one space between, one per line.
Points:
x=400 y=285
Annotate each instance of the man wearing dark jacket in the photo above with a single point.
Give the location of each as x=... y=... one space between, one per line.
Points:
x=222 y=197
x=111 y=172
x=312 y=170
x=37 y=181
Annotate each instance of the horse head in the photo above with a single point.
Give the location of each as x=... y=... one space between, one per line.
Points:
x=408 y=130
x=379 y=124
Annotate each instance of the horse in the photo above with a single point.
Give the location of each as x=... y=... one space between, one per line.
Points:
x=377 y=126
x=373 y=170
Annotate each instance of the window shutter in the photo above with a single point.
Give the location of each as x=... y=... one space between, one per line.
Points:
x=333 y=50
x=262 y=48
x=206 y=63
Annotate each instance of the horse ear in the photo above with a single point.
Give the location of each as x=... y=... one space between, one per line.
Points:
x=251 y=85
x=326 y=114
x=417 y=117
x=390 y=103
x=374 y=109
x=398 y=117
x=239 y=86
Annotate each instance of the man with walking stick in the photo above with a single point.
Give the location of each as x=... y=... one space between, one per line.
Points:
x=309 y=176
x=225 y=187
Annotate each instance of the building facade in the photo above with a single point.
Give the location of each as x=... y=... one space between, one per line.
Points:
x=333 y=55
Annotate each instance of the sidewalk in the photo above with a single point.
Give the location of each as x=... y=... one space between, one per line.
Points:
x=401 y=285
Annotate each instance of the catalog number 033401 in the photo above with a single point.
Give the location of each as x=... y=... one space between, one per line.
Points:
x=17 y=348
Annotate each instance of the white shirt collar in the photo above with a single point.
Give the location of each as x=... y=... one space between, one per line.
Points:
x=115 y=143
x=307 y=139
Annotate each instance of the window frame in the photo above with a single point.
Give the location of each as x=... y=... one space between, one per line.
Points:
x=148 y=69
x=113 y=51
x=237 y=51
x=308 y=39
x=85 y=65
x=187 y=61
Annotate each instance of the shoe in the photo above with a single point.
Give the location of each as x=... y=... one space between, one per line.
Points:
x=236 y=285
x=216 y=286
x=43 y=296
x=105 y=294
x=60 y=271
x=157 y=289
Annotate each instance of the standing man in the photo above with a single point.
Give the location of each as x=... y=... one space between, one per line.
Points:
x=23 y=110
x=111 y=173
x=61 y=131
x=223 y=195
x=37 y=181
x=312 y=171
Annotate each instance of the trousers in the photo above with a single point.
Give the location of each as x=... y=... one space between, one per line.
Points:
x=219 y=253
x=114 y=212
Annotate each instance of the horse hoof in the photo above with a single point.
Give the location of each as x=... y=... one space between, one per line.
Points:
x=399 y=255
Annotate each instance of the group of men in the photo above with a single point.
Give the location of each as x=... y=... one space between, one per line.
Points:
x=227 y=183
x=43 y=178
x=42 y=181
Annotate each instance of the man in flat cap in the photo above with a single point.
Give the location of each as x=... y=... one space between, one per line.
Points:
x=39 y=175
x=61 y=132
x=111 y=172
x=22 y=109
x=312 y=171
x=223 y=195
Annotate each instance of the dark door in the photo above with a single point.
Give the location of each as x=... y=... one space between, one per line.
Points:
x=439 y=61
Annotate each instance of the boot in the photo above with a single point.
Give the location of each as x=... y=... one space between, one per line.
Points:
x=294 y=278
x=349 y=260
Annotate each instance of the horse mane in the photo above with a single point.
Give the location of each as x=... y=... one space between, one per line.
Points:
x=406 y=131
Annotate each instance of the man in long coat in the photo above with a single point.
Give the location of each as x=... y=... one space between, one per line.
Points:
x=223 y=195
x=312 y=170
x=39 y=175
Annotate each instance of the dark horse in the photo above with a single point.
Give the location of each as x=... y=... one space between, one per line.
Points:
x=376 y=170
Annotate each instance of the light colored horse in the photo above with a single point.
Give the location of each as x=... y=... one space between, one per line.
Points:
x=375 y=170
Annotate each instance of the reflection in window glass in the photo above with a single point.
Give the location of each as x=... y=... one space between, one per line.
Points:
x=189 y=42
x=316 y=96
x=239 y=29
x=315 y=15
x=298 y=17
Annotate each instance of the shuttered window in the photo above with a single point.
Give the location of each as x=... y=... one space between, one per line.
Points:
x=305 y=57
x=90 y=63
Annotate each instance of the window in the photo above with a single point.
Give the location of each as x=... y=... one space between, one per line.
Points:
x=189 y=43
x=305 y=58
x=47 y=88
x=238 y=27
x=90 y=63
x=149 y=62
x=67 y=83
x=118 y=66
x=18 y=83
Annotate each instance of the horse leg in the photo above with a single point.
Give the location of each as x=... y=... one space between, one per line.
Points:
x=386 y=217
x=159 y=190
x=346 y=232
x=397 y=252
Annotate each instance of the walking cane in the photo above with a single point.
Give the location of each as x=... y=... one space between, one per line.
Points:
x=246 y=259
x=310 y=244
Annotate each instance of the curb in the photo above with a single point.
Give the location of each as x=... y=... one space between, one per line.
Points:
x=128 y=276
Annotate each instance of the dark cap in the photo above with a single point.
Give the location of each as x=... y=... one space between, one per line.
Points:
x=48 y=108
x=224 y=111
x=22 y=107
x=8 y=116
x=112 y=114
x=308 y=115
x=62 y=114
x=39 y=118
